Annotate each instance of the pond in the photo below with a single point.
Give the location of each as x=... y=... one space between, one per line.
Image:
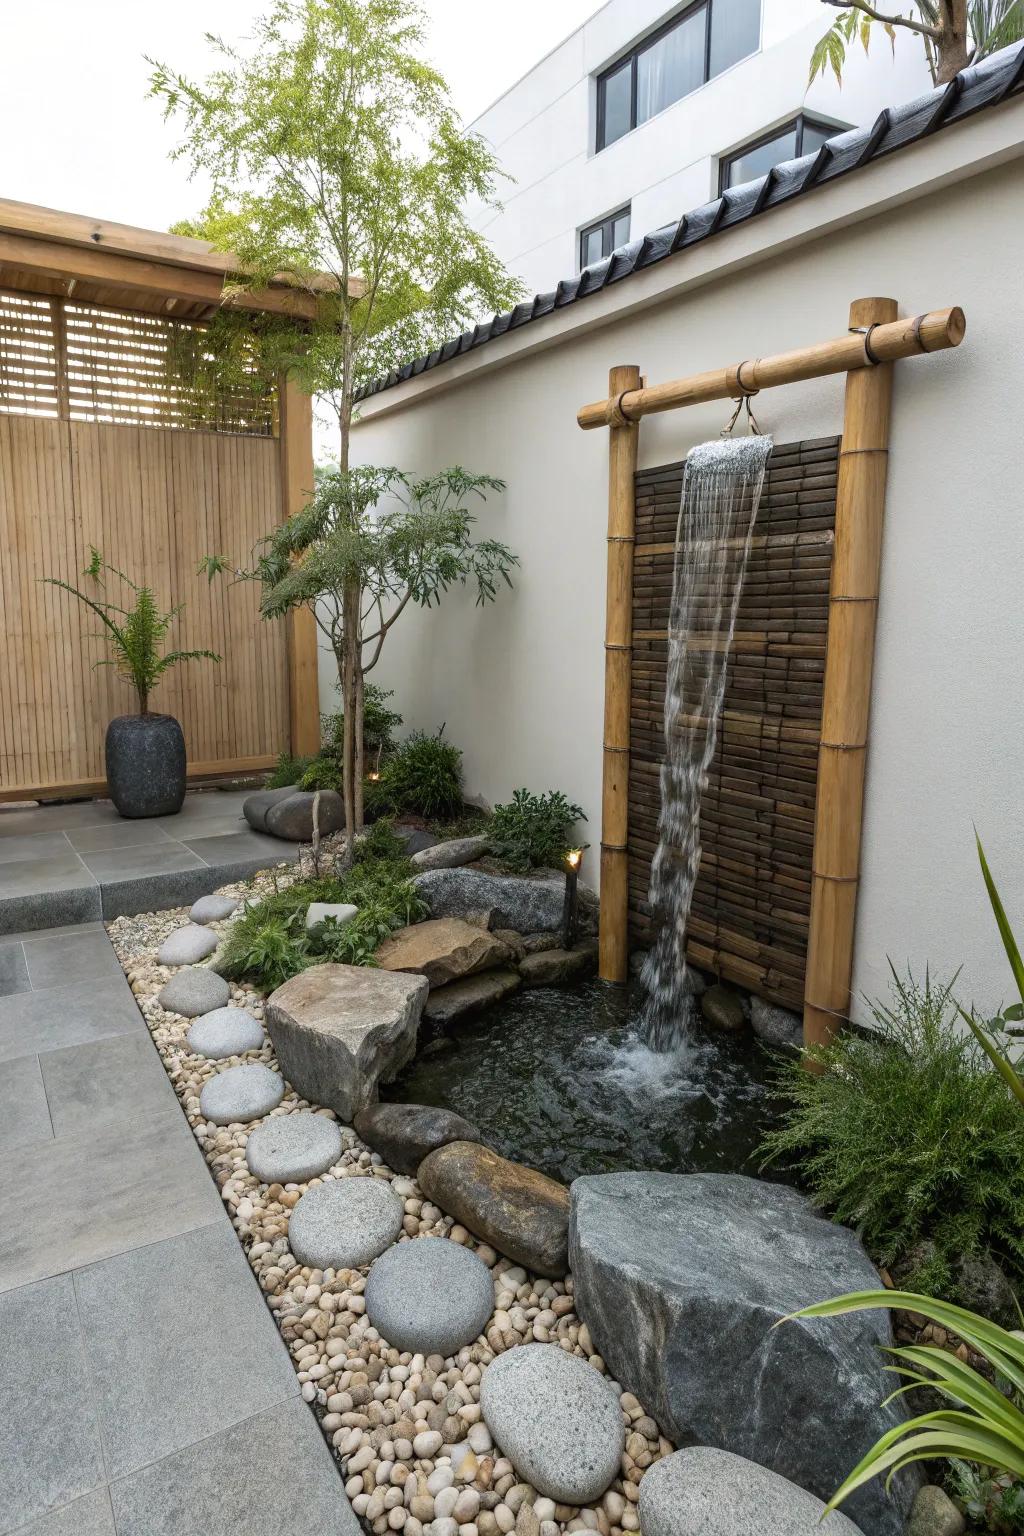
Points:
x=558 y=1077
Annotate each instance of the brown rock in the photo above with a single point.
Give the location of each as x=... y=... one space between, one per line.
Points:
x=404 y=1134
x=442 y=950
x=552 y=966
x=519 y=1211
x=536 y=943
x=515 y=941
x=445 y=1004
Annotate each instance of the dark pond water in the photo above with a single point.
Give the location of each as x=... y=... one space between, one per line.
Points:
x=560 y=1079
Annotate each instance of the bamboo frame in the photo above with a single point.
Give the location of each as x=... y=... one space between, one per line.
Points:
x=296 y=443
x=876 y=339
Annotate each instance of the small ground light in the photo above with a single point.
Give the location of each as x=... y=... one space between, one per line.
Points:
x=570 y=910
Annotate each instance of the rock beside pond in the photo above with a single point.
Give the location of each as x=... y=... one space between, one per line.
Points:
x=404 y=1134
x=723 y=1008
x=712 y=1493
x=515 y=901
x=732 y=1256
x=193 y=991
x=935 y=1514
x=451 y=854
x=338 y=1030
x=256 y=805
x=776 y=1026
x=458 y=998
x=429 y=1296
x=292 y=817
x=185 y=946
x=557 y=1420
x=519 y=1211
x=551 y=967
x=442 y=950
x=345 y=1223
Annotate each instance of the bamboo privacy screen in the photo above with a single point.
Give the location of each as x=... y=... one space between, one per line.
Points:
x=751 y=906
x=78 y=468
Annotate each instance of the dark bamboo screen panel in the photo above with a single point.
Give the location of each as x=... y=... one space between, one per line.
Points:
x=751 y=907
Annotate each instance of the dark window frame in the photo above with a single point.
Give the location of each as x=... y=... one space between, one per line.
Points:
x=607 y=229
x=631 y=57
x=798 y=123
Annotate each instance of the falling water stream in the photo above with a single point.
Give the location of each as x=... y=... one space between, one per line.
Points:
x=722 y=485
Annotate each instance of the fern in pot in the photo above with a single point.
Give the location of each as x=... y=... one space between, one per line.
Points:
x=145 y=752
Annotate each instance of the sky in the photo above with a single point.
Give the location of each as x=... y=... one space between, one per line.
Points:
x=77 y=132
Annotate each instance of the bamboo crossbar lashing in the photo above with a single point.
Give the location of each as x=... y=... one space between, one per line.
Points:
x=827 y=823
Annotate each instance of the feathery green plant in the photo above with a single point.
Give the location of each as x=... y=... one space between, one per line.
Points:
x=532 y=831
x=981 y=1424
x=135 y=634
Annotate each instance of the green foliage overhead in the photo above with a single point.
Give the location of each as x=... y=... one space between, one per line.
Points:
x=954 y=33
x=533 y=831
x=423 y=776
x=910 y=1137
x=331 y=147
x=978 y=1422
x=135 y=635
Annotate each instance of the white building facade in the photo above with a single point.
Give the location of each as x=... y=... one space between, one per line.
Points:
x=649 y=109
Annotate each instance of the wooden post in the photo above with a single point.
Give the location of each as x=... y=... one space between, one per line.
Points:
x=296 y=440
x=853 y=606
x=623 y=437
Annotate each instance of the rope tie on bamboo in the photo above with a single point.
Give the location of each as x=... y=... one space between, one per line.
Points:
x=616 y=415
x=742 y=393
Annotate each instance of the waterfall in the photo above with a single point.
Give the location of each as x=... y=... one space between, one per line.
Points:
x=721 y=490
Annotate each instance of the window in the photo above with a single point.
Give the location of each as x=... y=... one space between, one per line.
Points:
x=800 y=137
x=599 y=240
x=690 y=49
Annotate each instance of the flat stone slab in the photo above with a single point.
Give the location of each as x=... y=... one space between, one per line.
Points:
x=225 y=1032
x=346 y=1223
x=194 y=991
x=519 y=1211
x=558 y=1421
x=552 y=967
x=442 y=950
x=289 y=1149
x=451 y=854
x=430 y=1296
x=241 y=1094
x=515 y=901
x=404 y=1134
x=458 y=998
x=338 y=1030
x=213 y=909
x=718 y=1494
x=338 y=912
x=185 y=946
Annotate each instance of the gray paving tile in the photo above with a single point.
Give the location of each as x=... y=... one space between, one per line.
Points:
x=32 y=845
x=156 y=893
x=56 y=959
x=271 y=1476
x=103 y=1193
x=51 y=871
x=161 y=1386
x=110 y=864
x=13 y=970
x=57 y=818
x=51 y=909
x=70 y=1015
x=246 y=844
x=24 y=1116
x=49 y=1439
x=65 y=929
x=91 y=1516
x=120 y=834
x=120 y=1079
x=198 y=828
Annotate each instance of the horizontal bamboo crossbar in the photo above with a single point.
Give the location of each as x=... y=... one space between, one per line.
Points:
x=932 y=332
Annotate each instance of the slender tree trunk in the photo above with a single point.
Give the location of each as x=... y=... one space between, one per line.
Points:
x=951 y=49
x=352 y=741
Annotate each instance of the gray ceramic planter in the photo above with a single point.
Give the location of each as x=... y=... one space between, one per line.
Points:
x=146 y=765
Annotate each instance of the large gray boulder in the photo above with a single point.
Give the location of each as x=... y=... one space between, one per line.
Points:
x=704 y=1492
x=686 y=1322
x=339 y=1030
x=529 y=904
x=256 y=805
x=292 y=817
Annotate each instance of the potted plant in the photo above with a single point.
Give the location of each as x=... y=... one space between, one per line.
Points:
x=145 y=752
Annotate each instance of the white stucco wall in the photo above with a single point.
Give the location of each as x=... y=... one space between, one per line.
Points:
x=520 y=684
x=543 y=129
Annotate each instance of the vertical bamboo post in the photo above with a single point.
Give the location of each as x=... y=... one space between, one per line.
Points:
x=853 y=606
x=296 y=450
x=623 y=437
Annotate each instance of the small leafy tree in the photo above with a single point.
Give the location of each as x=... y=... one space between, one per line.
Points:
x=135 y=634
x=955 y=33
x=336 y=159
x=393 y=541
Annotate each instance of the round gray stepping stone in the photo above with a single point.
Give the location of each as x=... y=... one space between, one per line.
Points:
x=225 y=1032
x=241 y=1094
x=289 y=1149
x=187 y=945
x=430 y=1296
x=346 y=1223
x=212 y=909
x=194 y=991
x=557 y=1420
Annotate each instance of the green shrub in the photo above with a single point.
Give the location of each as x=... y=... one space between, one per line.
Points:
x=289 y=770
x=424 y=776
x=534 y=830
x=909 y=1138
x=379 y=724
x=323 y=772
